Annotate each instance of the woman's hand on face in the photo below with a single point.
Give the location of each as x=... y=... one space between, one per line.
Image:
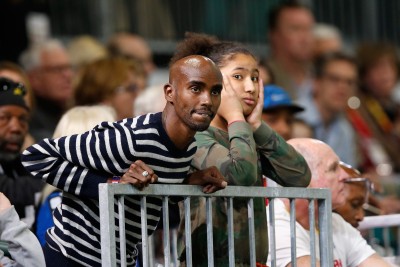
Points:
x=230 y=108
x=255 y=118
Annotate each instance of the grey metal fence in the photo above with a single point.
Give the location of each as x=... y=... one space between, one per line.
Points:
x=109 y=193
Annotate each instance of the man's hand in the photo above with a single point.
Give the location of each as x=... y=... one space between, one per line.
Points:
x=139 y=174
x=4 y=203
x=211 y=179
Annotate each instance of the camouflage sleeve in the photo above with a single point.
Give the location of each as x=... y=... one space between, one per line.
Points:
x=279 y=160
x=234 y=155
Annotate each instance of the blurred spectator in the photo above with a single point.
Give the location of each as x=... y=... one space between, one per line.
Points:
x=15 y=73
x=278 y=111
x=19 y=186
x=356 y=190
x=134 y=46
x=301 y=129
x=84 y=49
x=150 y=100
x=335 y=82
x=291 y=43
x=327 y=39
x=50 y=74
x=349 y=247
x=265 y=72
x=77 y=120
x=109 y=81
x=23 y=246
x=378 y=66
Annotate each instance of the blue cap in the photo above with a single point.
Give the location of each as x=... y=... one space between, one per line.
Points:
x=275 y=97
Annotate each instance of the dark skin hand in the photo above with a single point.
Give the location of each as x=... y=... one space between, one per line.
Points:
x=211 y=179
x=135 y=177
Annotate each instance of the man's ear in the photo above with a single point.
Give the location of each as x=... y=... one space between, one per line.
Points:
x=168 y=93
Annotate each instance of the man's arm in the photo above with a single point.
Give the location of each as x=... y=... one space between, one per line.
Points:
x=374 y=260
x=280 y=161
x=304 y=261
x=23 y=245
x=78 y=163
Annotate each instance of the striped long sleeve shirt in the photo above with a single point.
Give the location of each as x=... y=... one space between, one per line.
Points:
x=77 y=164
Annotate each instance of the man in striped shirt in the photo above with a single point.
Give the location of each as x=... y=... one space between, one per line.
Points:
x=165 y=141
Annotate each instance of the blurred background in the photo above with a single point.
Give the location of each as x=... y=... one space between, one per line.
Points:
x=163 y=22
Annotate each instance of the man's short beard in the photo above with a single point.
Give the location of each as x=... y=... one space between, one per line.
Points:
x=8 y=156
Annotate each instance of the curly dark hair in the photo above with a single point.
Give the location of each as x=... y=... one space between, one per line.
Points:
x=208 y=46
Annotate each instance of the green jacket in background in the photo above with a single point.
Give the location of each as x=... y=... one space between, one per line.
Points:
x=243 y=157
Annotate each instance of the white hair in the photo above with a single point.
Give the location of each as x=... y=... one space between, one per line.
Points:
x=151 y=100
x=31 y=58
x=326 y=31
x=80 y=119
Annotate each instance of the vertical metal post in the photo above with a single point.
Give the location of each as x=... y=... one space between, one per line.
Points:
x=231 y=240
x=293 y=231
x=252 y=241
x=145 y=240
x=188 y=233
x=107 y=225
x=166 y=240
x=210 y=245
x=311 y=212
x=325 y=231
x=271 y=227
x=122 y=238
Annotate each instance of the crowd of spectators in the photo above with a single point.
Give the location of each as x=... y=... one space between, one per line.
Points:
x=308 y=86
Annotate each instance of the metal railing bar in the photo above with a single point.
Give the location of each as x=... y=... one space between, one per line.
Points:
x=121 y=221
x=166 y=239
x=231 y=241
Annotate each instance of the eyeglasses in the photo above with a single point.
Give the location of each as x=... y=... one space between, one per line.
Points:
x=9 y=85
x=336 y=79
x=132 y=88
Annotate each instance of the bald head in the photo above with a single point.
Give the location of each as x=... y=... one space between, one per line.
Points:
x=324 y=166
x=132 y=45
x=195 y=63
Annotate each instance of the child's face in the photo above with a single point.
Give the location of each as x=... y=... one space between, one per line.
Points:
x=280 y=120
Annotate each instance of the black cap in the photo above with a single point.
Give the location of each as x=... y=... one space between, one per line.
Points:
x=12 y=93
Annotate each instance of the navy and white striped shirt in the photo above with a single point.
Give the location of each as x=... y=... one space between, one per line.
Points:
x=78 y=163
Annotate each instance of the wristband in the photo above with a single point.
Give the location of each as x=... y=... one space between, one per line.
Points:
x=115 y=179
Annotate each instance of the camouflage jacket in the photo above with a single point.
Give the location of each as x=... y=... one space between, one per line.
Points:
x=243 y=157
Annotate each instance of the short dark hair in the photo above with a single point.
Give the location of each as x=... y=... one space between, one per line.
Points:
x=323 y=60
x=275 y=12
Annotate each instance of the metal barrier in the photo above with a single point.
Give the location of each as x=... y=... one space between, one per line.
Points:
x=387 y=223
x=108 y=192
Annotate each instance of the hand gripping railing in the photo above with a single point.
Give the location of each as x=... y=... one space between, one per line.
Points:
x=108 y=192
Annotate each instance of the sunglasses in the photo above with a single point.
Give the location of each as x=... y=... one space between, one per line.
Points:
x=9 y=85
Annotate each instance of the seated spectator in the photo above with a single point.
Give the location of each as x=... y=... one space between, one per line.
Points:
x=279 y=110
x=349 y=247
x=77 y=120
x=379 y=112
x=327 y=39
x=335 y=82
x=291 y=41
x=109 y=81
x=15 y=182
x=23 y=246
x=356 y=191
x=15 y=73
x=132 y=46
x=50 y=74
